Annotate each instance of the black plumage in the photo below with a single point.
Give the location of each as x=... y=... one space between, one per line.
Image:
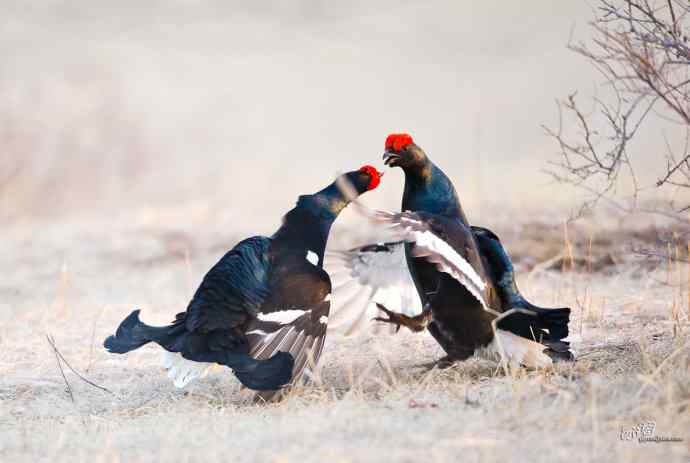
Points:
x=429 y=192
x=549 y=327
x=462 y=312
x=455 y=280
x=262 y=309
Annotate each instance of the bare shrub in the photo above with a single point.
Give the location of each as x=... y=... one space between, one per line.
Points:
x=641 y=49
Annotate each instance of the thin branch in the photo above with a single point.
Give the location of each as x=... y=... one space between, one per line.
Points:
x=641 y=51
x=60 y=357
x=68 y=388
x=673 y=170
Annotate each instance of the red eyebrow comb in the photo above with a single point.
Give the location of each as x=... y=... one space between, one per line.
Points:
x=398 y=141
x=374 y=174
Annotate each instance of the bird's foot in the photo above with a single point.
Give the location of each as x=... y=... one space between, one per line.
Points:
x=559 y=351
x=445 y=362
x=416 y=323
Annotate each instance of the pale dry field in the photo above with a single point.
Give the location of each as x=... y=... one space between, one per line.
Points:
x=77 y=280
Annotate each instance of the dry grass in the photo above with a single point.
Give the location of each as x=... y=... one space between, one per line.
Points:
x=372 y=402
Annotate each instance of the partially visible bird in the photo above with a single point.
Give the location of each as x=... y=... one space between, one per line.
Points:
x=263 y=309
x=448 y=309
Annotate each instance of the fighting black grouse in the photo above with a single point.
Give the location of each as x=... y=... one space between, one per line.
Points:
x=457 y=311
x=263 y=309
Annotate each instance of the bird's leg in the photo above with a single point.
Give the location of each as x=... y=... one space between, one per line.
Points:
x=416 y=323
x=445 y=362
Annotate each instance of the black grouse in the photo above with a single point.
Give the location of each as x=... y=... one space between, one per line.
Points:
x=457 y=311
x=263 y=309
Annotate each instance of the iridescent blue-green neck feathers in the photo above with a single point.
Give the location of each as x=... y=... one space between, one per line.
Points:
x=307 y=225
x=428 y=189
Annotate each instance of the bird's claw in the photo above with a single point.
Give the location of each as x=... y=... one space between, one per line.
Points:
x=417 y=323
x=393 y=318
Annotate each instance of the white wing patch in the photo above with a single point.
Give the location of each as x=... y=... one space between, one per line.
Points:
x=435 y=250
x=313 y=258
x=257 y=331
x=303 y=338
x=283 y=316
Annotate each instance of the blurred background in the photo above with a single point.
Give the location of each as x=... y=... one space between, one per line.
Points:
x=230 y=109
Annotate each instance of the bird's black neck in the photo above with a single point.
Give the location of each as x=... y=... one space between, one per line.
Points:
x=307 y=225
x=428 y=189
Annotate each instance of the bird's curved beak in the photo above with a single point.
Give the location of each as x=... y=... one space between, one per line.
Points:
x=389 y=157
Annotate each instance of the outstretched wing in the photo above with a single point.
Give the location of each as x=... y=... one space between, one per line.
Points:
x=445 y=243
x=364 y=276
x=379 y=272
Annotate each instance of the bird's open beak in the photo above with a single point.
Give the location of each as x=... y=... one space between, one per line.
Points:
x=389 y=157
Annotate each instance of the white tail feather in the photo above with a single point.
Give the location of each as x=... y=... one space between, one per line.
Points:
x=518 y=351
x=183 y=371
